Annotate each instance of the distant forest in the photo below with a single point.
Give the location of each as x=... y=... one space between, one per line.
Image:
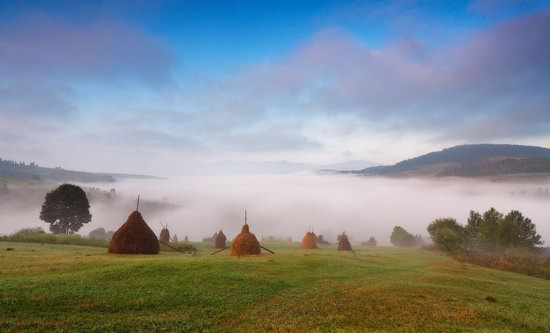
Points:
x=474 y=160
x=33 y=171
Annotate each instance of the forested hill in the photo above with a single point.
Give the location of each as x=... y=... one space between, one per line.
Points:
x=33 y=171
x=473 y=160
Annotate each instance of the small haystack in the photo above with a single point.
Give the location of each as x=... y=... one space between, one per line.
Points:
x=309 y=241
x=344 y=244
x=164 y=234
x=175 y=238
x=134 y=237
x=186 y=239
x=219 y=240
x=245 y=243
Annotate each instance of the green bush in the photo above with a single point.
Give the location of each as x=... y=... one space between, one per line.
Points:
x=37 y=235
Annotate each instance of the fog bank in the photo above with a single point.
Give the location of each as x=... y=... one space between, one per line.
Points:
x=286 y=205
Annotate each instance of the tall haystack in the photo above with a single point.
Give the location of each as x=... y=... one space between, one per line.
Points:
x=344 y=244
x=134 y=237
x=164 y=234
x=309 y=241
x=219 y=240
x=245 y=243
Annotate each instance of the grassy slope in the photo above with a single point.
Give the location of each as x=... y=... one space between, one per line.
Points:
x=46 y=287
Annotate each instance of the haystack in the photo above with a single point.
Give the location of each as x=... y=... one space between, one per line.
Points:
x=245 y=243
x=164 y=236
x=219 y=240
x=344 y=244
x=134 y=237
x=309 y=241
x=175 y=238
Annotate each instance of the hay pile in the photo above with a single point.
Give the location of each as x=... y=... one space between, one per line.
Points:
x=164 y=235
x=344 y=244
x=134 y=237
x=245 y=243
x=219 y=240
x=175 y=238
x=309 y=241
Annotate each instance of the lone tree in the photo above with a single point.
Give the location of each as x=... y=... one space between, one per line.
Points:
x=66 y=209
x=402 y=238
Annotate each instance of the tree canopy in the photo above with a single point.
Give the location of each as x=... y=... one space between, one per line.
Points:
x=447 y=234
x=66 y=209
x=402 y=238
x=491 y=231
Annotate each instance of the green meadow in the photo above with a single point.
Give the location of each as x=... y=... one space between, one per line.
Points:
x=84 y=289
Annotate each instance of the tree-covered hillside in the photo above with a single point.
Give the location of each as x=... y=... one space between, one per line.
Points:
x=474 y=160
x=33 y=171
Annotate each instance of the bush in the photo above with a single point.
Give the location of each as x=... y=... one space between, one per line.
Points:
x=37 y=235
x=447 y=234
x=513 y=261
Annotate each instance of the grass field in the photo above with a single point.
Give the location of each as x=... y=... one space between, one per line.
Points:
x=74 y=288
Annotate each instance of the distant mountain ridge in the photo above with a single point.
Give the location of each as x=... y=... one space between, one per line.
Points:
x=33 y=171
x=471 y=161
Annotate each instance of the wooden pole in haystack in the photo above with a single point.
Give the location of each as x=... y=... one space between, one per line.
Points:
x=268 y=250
x=137 y=206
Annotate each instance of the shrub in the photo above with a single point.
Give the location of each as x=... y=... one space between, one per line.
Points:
x=513 y=261
x=447 y=234
x=36 y=235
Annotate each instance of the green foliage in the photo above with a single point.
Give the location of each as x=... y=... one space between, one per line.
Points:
x=37 y=235
x=518 y=232
x=400 y=237
x=488 y=230
x=472 y=230
x=447 y=234
x=66 y=209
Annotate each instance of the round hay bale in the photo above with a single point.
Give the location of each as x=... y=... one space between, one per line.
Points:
x=309 y=241
x=134 y=237
x=245 y=243
x=219 y=240
x=164 y=235
x=344 y=244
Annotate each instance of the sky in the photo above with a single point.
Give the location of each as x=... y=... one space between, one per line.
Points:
x=165 y=87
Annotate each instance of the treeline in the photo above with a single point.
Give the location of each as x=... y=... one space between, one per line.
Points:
x=491 y=231
x=38 y=235
x=402 y=238
x=505 y=166
x=32 y=171
x=507 y=242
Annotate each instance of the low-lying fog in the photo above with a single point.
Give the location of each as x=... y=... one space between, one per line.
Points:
x=286 y=205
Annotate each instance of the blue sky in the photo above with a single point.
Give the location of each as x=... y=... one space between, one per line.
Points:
x=194 y=82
